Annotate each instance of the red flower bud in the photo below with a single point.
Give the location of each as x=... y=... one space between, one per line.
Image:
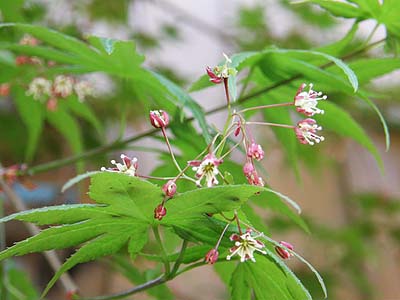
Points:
x=22 y=60
x=211 y=256
x=52 y=104
x=213 y=77
x=285 y=254
x=159 y=118
x=159 y=212
x=169 y=188
x=4 y=89
x=70 y=295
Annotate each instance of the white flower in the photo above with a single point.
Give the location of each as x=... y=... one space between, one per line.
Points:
x=207 y=168
x=63 y=86
x=128 y=167
x=83 y=89
x=245 y=246
x=306 y=102
x=306 y=132
x=39 y=87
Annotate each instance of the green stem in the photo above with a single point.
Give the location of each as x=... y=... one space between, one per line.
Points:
x=265 y=106
x=170 y=149
x=149 y=284
x=180 y=258
x=163 y=252
x=270 y=124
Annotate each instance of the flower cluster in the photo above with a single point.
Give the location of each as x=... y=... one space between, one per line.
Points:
x=206 y=164
x=306 y=132
x=306 y=102
x=28 y=40
x=61 y=87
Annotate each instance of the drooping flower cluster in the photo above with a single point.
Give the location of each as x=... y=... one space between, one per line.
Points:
x=306 y=101
x=48 y=91
x=245 y=246
x=207 y=171
x=306 y=132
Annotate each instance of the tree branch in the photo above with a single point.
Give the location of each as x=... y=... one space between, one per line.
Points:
x=157 y=281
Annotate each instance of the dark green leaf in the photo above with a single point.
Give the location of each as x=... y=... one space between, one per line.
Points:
x=185 y=100
x=343 y=124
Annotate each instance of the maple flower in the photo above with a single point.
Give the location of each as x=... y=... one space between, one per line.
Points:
x=213 y=77
x=63 y=86
x=306 y=132
x=251 y=174
x=285 y=254
x=129 y=166
x=206 y=168
x=219 y=73
x=169 y=188
x=306 y=101
x=245 y=246
x=39 y=87
x=211 y=256
x=159 y=118
x=83 y=89
x=255 y=151
x=159 y=212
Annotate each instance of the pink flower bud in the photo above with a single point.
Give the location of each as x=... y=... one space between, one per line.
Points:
x=255 y=151
x=169 y=188
x=211 y=256
x=234 y=237
x=213 y=77
x=159 y=118
x=4 y=89
x=22 y=60
x=238 y=128
x=159 y=212
x=52 y=104
x=285 y=254
x=248 y=169
x=252 y=175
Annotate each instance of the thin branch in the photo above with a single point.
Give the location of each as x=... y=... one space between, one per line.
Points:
x=157 y=281
x=193 y=21
x=51 y=255
x=122 y=143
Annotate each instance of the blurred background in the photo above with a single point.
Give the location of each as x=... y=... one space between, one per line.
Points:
x=350 y=205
